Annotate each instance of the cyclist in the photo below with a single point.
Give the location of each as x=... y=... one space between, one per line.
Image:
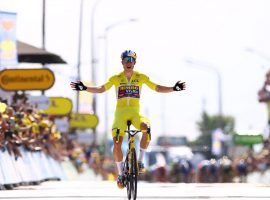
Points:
x=128 y=85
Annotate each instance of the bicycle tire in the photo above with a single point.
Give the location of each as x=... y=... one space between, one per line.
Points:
x=133 y=174
x=127 y=176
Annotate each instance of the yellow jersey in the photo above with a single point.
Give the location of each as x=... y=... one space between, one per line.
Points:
x=128 y=92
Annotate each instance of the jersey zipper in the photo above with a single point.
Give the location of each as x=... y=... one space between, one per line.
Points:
x=128 y=99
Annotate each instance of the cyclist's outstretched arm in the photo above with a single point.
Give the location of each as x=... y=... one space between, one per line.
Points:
x=177 y=87
x=79 y=86
x=164 y=89
x=97 y=89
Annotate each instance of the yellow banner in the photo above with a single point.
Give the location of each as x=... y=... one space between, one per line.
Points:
x=59 y=106
x=79 y=120
x=26 y=79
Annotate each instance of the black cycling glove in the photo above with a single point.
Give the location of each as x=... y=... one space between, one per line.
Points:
x=179 y=86
x=79 y=86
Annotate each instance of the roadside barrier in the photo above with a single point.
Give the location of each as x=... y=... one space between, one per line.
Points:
x=31 y=168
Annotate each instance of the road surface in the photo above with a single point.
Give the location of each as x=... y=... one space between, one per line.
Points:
x=99 y=190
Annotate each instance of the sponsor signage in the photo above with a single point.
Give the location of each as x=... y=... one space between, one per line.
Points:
x=247 y=139
x=26 y=79
x=8 y=44
x=79 y=120
x=59 y=106
x=129 y=91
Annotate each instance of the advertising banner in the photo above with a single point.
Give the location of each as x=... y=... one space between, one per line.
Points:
x=247 y=139
x=79 y=120
x=26 y=79
x=8 y=41
x=59 y=106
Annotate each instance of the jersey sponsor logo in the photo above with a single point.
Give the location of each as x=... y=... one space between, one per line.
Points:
x=135 y=81
x=128 y=91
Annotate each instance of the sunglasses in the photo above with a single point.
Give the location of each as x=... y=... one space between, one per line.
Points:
x=128 y=59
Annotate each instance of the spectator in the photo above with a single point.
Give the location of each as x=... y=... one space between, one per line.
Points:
x=226 y=170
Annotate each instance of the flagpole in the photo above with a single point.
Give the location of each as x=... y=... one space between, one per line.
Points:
x=43 y=31
x=79 y=54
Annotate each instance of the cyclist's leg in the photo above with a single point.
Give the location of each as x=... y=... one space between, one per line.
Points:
x=119 y=123
x=117 y=153
x=142 y=123
x=145 y=137
x=117 y=150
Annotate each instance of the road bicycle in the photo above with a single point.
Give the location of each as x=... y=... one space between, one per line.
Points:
x=130 y=167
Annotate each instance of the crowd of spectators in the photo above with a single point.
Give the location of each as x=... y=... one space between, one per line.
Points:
x=214 y=170
x=24 y=126
x=233 y=169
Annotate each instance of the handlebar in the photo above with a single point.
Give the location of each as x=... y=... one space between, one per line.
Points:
x=132 y=132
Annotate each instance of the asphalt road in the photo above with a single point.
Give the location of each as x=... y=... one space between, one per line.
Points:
x=99 y=190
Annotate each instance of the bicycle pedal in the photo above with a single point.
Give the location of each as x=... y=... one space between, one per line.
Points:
x=121 y=182
x=120 y=185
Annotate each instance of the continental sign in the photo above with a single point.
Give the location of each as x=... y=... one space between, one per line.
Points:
x=59 y=106
x=79 y=120
x=26 y=79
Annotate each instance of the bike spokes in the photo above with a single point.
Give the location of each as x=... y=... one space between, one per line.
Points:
x=127 y=177
x=133 y=175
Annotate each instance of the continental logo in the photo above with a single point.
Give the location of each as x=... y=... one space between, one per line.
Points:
x=26 y=79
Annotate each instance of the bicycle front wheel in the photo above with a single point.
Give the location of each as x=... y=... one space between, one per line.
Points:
x=133 y=174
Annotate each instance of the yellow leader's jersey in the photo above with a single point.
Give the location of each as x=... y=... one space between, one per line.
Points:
x=128 y=92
